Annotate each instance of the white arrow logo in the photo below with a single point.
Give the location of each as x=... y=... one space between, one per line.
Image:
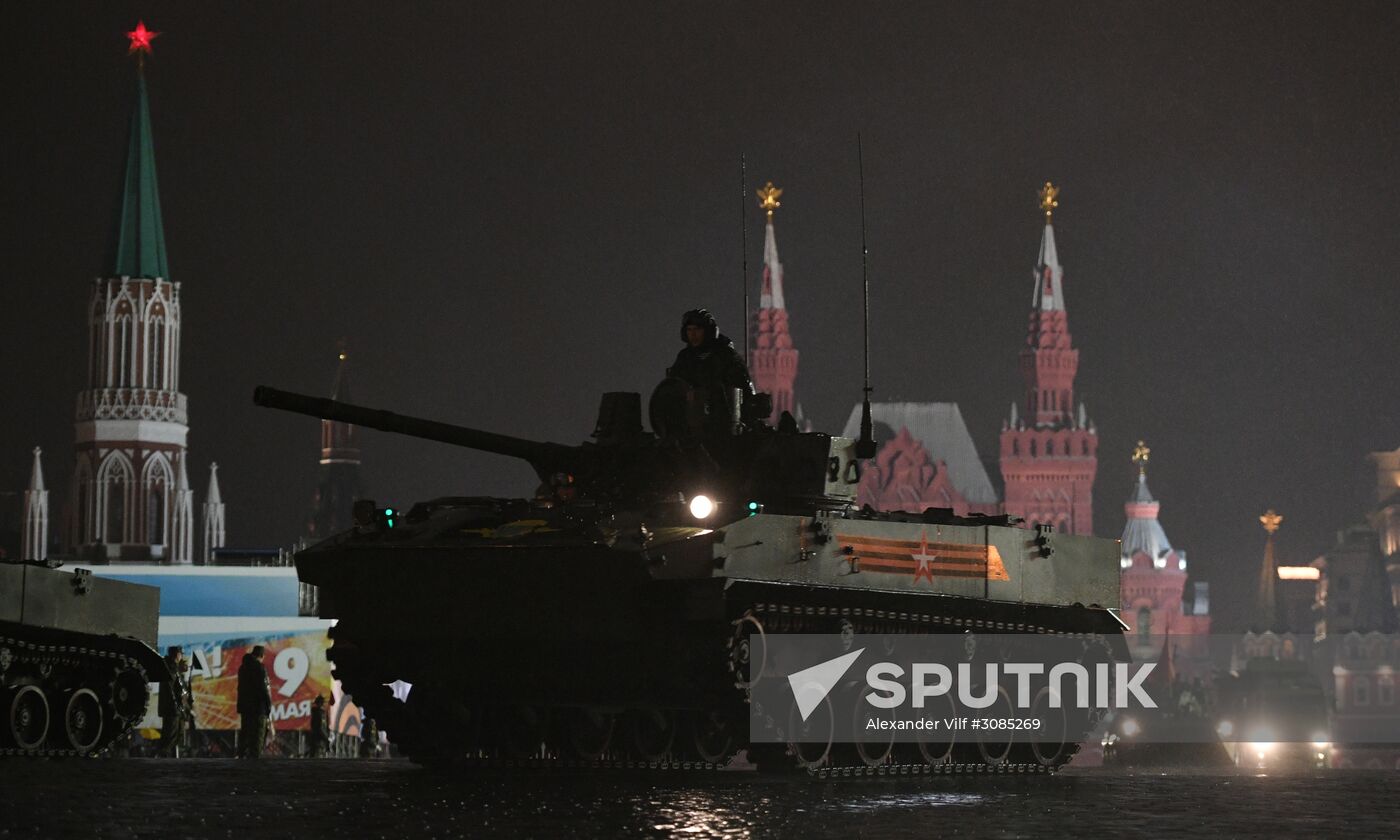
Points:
x=811 y=685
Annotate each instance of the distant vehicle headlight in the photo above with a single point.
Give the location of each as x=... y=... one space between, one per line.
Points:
x=701 y=506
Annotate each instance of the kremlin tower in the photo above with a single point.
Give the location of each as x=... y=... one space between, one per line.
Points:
x=772 y=358
x=130 y=496
x=1048 y=447
x=338 y=482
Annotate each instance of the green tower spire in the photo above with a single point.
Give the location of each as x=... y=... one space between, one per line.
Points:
x=140 y=235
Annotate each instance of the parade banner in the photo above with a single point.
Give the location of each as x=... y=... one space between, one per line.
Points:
x=297 y=670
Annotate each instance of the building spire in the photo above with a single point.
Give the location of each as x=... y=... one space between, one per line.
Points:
x=1143 y=532
x=772 y=294
x=1049 y=361
x=1266 y=600
x=213 y=517
x=337 y=438
x=140 y=245
x=213 y=497
x=338 y=481
x=1049 y=275
x=182 y=514
x=36 y=514
x=772 y=358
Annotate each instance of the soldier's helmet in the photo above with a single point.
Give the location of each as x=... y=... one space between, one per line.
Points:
x=703 y=319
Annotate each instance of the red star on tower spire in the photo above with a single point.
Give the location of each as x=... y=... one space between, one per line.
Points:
x=141 y=39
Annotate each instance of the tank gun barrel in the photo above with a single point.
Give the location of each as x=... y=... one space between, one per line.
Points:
x=544 y=457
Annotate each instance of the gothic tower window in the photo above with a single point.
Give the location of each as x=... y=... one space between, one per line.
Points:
x=83 y=527
x=155 y=350
x=125 y=359
x=157 y=484
x=114 y=485
x=155 y=514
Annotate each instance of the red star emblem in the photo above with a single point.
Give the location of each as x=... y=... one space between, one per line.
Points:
x=141 y=39
x=924 y=560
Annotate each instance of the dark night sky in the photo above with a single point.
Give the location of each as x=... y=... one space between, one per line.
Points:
x=505 y=209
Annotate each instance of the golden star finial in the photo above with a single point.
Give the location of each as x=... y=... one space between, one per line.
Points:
x=1140 y=456
x=768 y=198
x=1270 y=521
x=1049 y=200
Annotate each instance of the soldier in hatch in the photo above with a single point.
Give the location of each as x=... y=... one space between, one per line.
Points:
x=710 y=365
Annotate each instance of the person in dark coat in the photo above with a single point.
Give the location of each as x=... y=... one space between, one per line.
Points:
x=320 y=730
x=254 y=703
x=710 y=365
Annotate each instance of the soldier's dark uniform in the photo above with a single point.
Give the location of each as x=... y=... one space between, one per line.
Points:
x=254 y=703
x=712 y=367
x=175 y=704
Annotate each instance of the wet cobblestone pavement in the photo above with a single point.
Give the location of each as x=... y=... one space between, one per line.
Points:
x=391 y=799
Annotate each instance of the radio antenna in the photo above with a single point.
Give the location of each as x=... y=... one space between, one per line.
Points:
x=865 y=447
x=744 y=247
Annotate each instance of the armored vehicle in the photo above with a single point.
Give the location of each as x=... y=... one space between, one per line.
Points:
x=620 y=615
x=75 y=659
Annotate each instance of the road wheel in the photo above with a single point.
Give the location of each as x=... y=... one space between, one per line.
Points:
x=82 y=720
x=28 y=717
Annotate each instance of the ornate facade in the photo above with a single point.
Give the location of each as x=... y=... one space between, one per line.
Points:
x=926 y=459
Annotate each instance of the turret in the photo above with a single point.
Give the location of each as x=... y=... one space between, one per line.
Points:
x=783 y=470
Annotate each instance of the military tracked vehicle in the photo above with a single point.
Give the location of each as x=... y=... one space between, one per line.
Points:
x=75 y=659
x=620 y=615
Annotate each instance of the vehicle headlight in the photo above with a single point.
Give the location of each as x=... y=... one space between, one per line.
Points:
x=701 y=506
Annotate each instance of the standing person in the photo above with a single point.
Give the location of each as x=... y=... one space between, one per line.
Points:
x=174 y=703
x=254 y=703
x=320 y=736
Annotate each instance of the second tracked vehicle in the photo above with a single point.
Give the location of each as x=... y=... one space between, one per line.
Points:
x=76 y=659
x=621 y=614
